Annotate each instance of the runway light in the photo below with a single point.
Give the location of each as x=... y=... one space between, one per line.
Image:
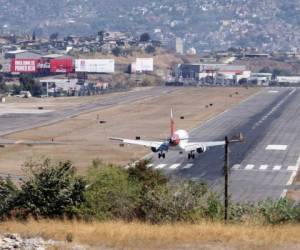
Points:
x=102 y=122
x=137 y=137
x=182 y=117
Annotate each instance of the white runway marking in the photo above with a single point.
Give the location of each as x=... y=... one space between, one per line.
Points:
x=264 y=167
x=188 y=166
x=292 y=168
x=276 y=168
x=160 y=166
x=249 y=167
x=174 y=166
x=236 y=166
x=290 y=181
x=276 y=147
x=273 y=91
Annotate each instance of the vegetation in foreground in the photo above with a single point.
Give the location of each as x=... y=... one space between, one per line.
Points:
x=107 y=192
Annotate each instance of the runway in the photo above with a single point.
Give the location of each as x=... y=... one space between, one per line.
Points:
x=265 y=165
x=20 y=120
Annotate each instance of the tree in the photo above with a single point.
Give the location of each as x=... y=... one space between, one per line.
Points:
x=33 y=36
x=111 y=194
x=116 y=51
x=53 y=36
x=51 y=189
x=28 y=83
x=150 y=49
x=145 y=37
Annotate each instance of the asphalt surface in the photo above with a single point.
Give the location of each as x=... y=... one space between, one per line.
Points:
x=13 y=122
x=262 y=167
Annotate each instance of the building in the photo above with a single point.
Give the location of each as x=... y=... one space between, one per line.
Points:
x=288 y=79
x=261 y=79
x=212 y=73
x=179 y=45
x=21 y=54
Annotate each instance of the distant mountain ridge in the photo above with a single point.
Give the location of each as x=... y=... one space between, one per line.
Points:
x=204 y=24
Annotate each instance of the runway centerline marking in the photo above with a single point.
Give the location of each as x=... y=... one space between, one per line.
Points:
x=174 y=166
x=277 y=147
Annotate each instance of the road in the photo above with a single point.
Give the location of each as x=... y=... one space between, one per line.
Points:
x=265 y=165
x=15 y=122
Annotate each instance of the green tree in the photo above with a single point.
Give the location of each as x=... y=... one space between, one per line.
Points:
x=8 y=194
x=150 y=49
x=116 y=51
x=28 y=83
x=145 y=37
x=50 y=189
x=110 y=193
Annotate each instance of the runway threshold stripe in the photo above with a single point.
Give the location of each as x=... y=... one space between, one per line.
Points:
x=174 y=166
x=292 y=168
x=263 y=167
x=188 y=166
x=276 y=168
x=236 y=166
x=249 y=167
x=160 y=166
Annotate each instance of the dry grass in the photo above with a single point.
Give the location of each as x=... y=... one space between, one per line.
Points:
x=148 y=118
x=179 y=236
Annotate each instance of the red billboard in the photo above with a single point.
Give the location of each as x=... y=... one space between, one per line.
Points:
x=24 y=65
x=61 y=66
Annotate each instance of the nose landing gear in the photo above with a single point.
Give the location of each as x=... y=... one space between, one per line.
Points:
x=161 y=155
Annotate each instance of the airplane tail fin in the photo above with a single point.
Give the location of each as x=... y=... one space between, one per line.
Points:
x=172 y=123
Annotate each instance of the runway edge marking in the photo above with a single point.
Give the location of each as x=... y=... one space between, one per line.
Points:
x=291 y=179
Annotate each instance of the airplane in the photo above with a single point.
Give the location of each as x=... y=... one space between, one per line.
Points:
x=178 y=141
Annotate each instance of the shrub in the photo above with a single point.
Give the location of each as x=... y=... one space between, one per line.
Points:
x=110 y=193
x=51 y=189
x=8 y=193
x=278 y=212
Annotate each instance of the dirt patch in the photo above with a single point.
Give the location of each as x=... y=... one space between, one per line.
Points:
x=88 y=139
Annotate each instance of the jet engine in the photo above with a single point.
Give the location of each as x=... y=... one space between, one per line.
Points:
x=154 y=150
x=202 y=149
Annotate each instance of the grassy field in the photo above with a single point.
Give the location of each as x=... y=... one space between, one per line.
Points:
x=119 y=235
x=88 y=140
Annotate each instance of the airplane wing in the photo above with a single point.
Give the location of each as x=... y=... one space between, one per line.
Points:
x=150 y=144
x=193 y=146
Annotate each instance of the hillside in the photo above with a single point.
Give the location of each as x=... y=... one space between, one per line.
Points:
x=204 y=24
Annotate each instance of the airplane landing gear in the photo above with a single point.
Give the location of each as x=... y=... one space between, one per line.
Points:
x=161 y=155
x=191 y=155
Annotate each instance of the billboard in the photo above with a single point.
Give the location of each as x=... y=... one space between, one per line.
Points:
x=61 y=65
x=144 y=64
x=24 y=65
x=95 y=65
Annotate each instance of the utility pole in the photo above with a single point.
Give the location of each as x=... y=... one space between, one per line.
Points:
x=226 y=166
x=235 y=139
